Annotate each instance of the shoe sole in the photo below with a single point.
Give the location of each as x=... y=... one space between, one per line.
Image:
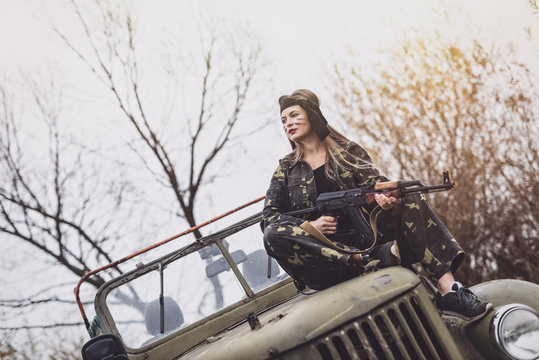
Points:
x=471 y=319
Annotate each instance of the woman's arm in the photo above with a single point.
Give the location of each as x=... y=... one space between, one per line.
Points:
x=277 y=201
x=371 y=175
x=366 y=172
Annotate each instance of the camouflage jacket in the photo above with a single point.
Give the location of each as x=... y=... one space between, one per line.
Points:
x=292 y=186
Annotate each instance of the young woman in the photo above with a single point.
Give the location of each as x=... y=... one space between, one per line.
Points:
x=324 y=160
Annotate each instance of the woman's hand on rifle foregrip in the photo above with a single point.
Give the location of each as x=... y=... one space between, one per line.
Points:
x=386 y=202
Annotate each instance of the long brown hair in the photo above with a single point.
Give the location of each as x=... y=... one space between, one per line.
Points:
x=335 y=143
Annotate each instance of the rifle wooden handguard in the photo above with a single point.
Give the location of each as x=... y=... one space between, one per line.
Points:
x=388 y=185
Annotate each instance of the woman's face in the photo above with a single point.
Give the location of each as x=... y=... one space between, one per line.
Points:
x=296 y=124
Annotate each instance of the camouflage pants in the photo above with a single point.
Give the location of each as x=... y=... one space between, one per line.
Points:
x=420 y=235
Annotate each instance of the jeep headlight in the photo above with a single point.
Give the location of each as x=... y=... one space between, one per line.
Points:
x=515 y=328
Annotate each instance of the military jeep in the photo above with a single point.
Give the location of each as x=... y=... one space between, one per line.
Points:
x=259 y=313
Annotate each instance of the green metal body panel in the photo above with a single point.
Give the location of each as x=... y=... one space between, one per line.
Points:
x=506 y=291
x=307 y=317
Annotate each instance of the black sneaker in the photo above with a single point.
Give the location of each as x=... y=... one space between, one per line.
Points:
x=463 y=303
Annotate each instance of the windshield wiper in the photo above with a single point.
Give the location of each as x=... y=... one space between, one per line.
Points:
x=161 y=301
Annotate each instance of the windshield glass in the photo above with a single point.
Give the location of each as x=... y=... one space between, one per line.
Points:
x=194 y=286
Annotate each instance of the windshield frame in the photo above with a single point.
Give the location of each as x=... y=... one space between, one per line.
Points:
x=107 y=320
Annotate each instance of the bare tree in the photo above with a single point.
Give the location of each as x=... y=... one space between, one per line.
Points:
x=435 y=106
x=222 y=75
x=66 y=349
x=223 y=90
x=53 y=193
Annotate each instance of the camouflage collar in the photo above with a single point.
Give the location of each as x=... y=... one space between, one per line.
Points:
x=291 y=163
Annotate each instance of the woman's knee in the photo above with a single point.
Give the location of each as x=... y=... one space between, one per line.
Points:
x=274 y=240
x=270 y=234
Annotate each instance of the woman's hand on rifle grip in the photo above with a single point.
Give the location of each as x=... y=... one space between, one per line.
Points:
x=326 y=224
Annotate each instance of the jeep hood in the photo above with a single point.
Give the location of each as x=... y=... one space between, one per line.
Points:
x=306 y=317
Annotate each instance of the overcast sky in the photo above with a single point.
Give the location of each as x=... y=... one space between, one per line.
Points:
x=302 y=39
x=302 y=36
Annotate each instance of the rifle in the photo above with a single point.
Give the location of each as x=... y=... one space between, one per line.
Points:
x=350 y=201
